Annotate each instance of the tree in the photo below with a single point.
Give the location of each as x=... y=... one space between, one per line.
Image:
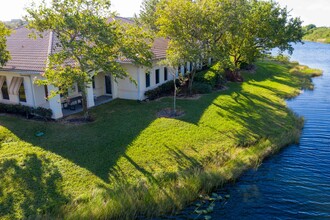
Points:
x=87 y=43
x=183 y=23
x=148 y=15
x=4 y=54
x=257 y=27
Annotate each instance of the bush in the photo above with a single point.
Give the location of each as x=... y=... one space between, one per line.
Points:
x=26 y=110
x=162 y=90
x=282 y=58
x=201 y=88
x=213 y=76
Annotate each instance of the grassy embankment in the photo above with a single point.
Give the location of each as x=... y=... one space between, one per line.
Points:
x=129 y=163
x=320 y=34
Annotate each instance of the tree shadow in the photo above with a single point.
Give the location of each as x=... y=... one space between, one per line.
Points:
x=95 y=146
x=29 y=188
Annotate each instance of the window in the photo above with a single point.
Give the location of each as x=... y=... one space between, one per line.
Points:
x=191 y=66
x=21 y=93
x=93 y=82
x=179 y=69
x=4 y=90
x=46 y=92
x=147 y=80
x=185 y=68
x=157 y=76
x=165 y=74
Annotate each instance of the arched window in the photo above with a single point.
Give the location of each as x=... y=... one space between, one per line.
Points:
x=21 y=93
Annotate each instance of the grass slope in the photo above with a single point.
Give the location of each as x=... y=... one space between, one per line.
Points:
x=129 y=163
x=320 y=34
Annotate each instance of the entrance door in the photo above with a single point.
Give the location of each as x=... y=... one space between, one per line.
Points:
x=108 y=89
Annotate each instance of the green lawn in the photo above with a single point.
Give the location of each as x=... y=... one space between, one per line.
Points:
x=129 y=162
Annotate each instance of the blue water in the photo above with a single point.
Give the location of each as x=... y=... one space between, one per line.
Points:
x=295 y=183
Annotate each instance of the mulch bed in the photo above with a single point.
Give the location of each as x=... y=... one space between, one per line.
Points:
x=168 y=113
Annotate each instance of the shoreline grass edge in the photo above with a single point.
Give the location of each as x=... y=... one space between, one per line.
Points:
x=135 y=190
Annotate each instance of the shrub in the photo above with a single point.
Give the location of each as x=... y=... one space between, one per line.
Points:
x=213 y=76
x=26 y=111
x=162 y=90
x=282 y=58
x=43 y=112
x=201 y=88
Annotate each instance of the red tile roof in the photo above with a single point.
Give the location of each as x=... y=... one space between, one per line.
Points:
x=30 y=54
x=27 y=53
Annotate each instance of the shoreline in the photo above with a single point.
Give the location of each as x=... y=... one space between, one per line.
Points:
x=166 y=179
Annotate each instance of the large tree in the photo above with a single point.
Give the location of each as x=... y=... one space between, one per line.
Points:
x=148 y=16
x=257 y=27
x=87 y=43
x=4 y=54
x=184 y=23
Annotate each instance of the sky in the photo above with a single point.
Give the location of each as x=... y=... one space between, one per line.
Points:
x=310 y=11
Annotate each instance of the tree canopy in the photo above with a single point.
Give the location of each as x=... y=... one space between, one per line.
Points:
x=4 y=53
x=230 y=31
x=89 y=41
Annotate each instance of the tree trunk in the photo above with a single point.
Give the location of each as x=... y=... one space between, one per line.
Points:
x=84 y=102
x=191 y=80
x=174 y=96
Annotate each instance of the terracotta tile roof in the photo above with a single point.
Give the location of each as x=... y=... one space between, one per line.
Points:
x=27 y=54
x=121 y=19
x=30 y=54
x=159 y=48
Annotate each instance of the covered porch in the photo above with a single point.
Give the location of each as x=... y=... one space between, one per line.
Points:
x=78 y=107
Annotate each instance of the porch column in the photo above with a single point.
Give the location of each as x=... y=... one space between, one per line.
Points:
x=90 y=96
x=55 y=104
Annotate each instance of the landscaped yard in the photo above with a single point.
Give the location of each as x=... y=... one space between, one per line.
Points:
x=128 y=162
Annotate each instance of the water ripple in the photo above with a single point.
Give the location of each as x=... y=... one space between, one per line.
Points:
x=295 y=184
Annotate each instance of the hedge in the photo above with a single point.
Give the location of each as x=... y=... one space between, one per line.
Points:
x=26 y=111
x=213 y=76
x=162 y=90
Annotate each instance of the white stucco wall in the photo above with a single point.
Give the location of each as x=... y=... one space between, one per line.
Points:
x=153 y=84
x=125 y=88
x=99 y=89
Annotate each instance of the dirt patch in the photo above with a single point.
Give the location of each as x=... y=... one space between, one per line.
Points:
x=169 y=113
x=76 y=120
x=192 y=97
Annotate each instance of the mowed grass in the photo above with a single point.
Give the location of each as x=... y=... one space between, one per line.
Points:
x=129 y=163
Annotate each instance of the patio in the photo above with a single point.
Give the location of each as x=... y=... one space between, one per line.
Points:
x=78 y=108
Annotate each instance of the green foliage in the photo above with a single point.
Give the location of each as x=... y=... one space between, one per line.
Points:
x=162 y=90
x=4 y=54
x=14 y=23
x=26 y=110
x=308 y=27
x=183 y=23
x=148 y=15
x=88 y=43
x=214 y=76
x=201 y=88
x=128 y=163
x=320 y=34
x=282 y=58
x=258 y=26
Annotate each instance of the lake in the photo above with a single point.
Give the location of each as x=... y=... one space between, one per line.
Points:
x=295 y=183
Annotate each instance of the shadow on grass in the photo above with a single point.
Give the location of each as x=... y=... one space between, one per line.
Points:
x=99 y=145
x=29 y=188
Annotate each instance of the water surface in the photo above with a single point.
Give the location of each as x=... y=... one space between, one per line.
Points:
x=294 y=184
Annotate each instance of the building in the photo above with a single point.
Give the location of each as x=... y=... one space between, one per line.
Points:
x=29 y=58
